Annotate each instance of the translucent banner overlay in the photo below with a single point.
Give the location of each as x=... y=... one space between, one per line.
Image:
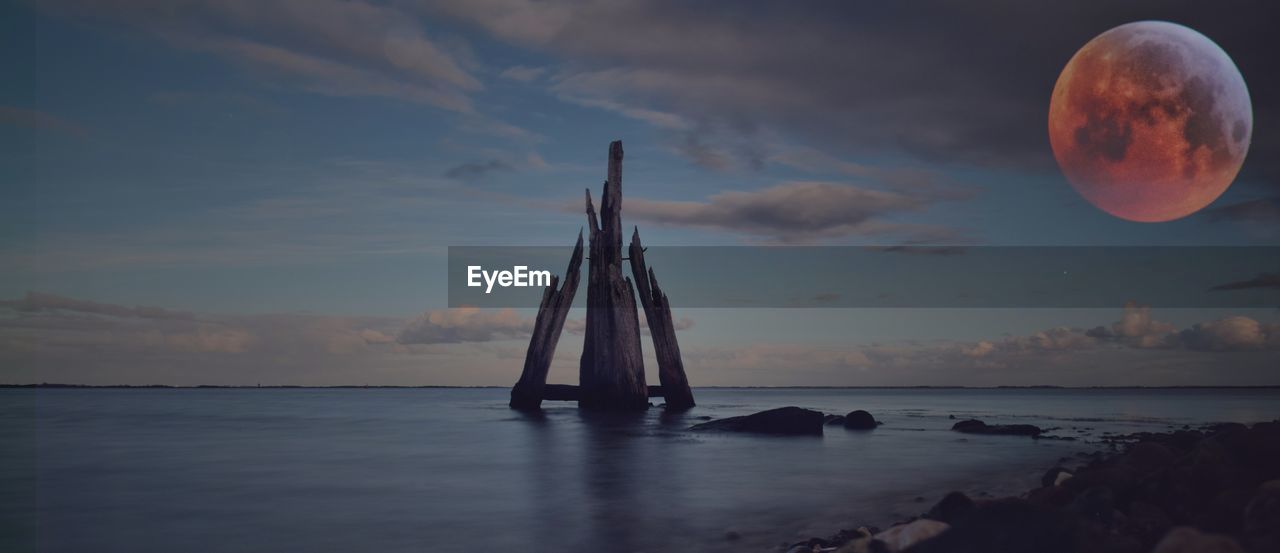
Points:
x=900 y=276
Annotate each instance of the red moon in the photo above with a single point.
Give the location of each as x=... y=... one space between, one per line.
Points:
x=1150 y=121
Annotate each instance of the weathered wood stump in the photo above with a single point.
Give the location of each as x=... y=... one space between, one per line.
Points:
x=657 y=312
x=611 y=372
x=529 y=390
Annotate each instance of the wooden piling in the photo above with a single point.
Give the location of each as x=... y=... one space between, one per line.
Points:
x=657 y=312
x=529 y=390
x=611 y=371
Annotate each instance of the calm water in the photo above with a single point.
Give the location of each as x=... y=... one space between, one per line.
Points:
x=454 y=470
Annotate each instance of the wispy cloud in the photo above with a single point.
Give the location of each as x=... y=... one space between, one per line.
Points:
x=1263 y=280
x=330 y=47
x=522 y=73
x=793 y=212
x=475 y=170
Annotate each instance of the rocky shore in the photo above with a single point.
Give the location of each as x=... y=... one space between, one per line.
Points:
x=1213 y=490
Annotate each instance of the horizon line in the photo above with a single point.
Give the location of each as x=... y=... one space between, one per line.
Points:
x=56 y=385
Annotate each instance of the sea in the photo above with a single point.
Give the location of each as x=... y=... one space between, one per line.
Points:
x=454 y=470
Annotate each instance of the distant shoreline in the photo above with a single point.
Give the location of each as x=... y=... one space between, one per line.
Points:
x=48 y=385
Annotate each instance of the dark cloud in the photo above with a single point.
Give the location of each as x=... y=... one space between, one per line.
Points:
x=947 y=81
x=1260 y=211
x=1263 y=280
x=794 y=212
x=329 y=47
x=476 y=170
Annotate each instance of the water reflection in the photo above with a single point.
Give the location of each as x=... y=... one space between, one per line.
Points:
x=614 y=473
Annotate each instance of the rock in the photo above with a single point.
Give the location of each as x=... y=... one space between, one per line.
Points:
x=783 y=420
x=1189 y=540
x=952 y=508
x=1263 y=511
x=1146 y=522
x=1147 y=456
x=858 y=541
x=833 y=420
x=1224 y=514
x=1055 y=477
x=902 y=536
x=859 y=420
x=975 y=426
x=1007 y=526
x=1097 y=503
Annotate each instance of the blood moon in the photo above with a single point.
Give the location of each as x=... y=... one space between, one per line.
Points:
x=1150 y=121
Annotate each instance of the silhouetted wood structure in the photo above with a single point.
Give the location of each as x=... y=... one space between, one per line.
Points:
x=611 y=370
x=528 y=391
x=657 y=312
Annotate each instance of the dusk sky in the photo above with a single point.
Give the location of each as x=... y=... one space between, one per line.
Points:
x=256 y=191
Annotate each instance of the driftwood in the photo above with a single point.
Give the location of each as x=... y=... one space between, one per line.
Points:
x=529 y=390
x=611 y=372
x=657 y=311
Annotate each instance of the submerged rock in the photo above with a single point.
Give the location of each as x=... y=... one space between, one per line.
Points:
x=833 y=420
x=975 y=426
x=783 y=420
x=859 y=420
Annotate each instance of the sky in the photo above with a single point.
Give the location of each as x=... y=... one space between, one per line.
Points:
x=242 y=192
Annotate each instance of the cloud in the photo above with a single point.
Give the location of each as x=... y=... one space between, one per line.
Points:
x=1231 y=334
x=45 y=337
x=793 y=212
x=475 y=170
x=522 y=73
x=453 y=326
x=330 y=47
x=1137 y=329
x=1136 y=350
x=931 y=88
x=1259 y=217
x=1263 y=280
x=40 y=120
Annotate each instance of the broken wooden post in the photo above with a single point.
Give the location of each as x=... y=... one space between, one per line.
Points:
x=611 y=372
x=528 y=391
x=657 y=311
